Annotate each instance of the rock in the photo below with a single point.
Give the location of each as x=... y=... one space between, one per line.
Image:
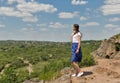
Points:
x=117 y=56
x=34 y=81
x=66 y=70
x=107 y=48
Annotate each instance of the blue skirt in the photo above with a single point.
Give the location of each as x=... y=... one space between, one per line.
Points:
x=76 y=57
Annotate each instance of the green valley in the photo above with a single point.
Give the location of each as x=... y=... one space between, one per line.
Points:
x=22 y=60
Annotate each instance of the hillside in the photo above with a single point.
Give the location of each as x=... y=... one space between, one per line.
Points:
x=109 y=48
x=105 y=71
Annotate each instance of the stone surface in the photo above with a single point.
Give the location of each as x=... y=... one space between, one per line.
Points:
x=107 y=48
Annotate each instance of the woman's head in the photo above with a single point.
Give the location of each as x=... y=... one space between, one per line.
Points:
x=76 y=27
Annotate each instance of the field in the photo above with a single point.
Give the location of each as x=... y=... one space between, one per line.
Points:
x=22 y=60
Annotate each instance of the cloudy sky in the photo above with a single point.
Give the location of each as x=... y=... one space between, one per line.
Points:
x=52 y=20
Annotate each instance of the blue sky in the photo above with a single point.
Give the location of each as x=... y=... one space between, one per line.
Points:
x=52 y=20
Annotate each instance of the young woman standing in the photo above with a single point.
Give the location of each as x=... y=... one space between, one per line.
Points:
x=76 y=50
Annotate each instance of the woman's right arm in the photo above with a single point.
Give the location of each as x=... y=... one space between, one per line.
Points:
x=71 y=37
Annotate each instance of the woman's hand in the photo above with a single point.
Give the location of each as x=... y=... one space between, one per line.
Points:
x=77 y=51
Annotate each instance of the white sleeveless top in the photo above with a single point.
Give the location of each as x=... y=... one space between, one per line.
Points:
x=75 y=37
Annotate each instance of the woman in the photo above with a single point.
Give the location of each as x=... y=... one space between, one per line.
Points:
x=76 y=50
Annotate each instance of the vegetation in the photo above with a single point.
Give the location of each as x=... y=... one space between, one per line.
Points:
x=117 y=36
x=47 y=59
x=117 y=46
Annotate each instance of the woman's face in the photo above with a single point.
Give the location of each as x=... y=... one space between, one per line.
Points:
x=74 y=29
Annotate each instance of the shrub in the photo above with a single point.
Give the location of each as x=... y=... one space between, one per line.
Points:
x=52 y=70
x=117 y=46
x=9 y=76
x=17 y=64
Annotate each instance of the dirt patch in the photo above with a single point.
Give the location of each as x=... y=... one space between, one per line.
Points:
x=100 y=70
x=116 y=64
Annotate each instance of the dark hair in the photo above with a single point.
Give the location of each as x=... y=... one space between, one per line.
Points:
x=76 y=27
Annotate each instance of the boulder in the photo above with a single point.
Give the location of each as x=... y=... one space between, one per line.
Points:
x=108 y=48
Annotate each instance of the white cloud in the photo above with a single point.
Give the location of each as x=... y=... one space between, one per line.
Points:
x=29 y=25
x=82 y=18
x=30 y=19
x=117 y=29
x=27 y=29
x=112 y=1
x=34 y=7
x=57 y=25
x=42 y=25
x=24 y=29
x=2 y=26
x=111 y=7
x=79 y=2
x=110 y=26
x=43 y=29
x=66 y=15
x=114 y=19
x=26 y=10
x=16 y=1
x=32 y=0
x=9 y=11
x=88 y=9
x=90 y=24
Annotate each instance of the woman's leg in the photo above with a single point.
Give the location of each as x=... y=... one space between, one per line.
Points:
x=76 y=66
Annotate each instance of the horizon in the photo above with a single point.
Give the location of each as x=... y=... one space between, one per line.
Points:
x=50 y=20
x=47 y=41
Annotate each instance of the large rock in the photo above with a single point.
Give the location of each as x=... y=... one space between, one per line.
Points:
x=108 y=47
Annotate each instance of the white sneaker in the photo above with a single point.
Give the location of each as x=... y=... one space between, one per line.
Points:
x=80 y=74
x=73 y=75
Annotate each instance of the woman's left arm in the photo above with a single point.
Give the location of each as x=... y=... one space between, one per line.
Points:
x=79 y=43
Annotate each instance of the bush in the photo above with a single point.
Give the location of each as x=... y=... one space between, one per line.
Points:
x=44 y=57
x=1 y=67
x=23 y=75
x=17 y=64
x=117 y=46
x=52 y=70
x=87 y=60
x=9 y=76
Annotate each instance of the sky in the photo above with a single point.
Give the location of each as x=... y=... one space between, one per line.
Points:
x=52 y=20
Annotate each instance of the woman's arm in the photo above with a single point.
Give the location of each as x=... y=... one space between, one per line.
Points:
x=79 y=43
x=71 y=37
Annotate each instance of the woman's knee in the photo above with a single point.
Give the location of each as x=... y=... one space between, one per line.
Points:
x=74 y=63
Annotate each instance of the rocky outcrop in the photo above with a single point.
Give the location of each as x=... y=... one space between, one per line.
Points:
x=109 y=48
x=106 y=70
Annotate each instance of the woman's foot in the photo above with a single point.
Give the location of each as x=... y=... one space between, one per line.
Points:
x=74 y=75
x=80 y=74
